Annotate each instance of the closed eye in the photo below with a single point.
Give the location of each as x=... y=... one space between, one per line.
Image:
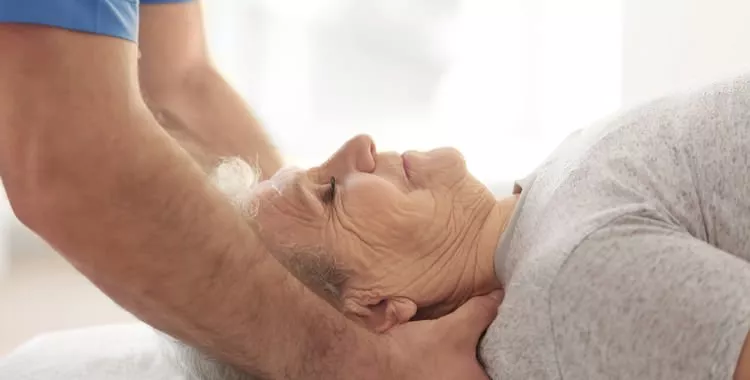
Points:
x=329 y=192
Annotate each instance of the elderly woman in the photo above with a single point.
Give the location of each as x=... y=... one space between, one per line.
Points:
x=626 y=254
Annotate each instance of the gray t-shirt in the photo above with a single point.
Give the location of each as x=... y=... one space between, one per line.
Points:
x=629 y=254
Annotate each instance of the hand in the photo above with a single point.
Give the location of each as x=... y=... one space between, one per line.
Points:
x=445 y=348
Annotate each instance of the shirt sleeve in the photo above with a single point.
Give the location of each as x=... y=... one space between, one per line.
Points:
x=116 y=18
x=164 y=1
x=640 y=299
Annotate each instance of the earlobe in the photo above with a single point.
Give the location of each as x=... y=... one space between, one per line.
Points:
x=384 y=315
x=391 y=312
x=398 y=310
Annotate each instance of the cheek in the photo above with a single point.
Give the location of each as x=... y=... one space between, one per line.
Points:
x=284 y=225
x=364 y=199
x=439 y=167
x=382 y=216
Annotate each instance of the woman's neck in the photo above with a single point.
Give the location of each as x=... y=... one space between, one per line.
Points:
x=484 y=275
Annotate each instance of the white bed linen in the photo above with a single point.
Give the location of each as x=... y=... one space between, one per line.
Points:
x=113 y=352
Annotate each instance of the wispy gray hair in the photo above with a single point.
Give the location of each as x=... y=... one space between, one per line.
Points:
x=236 y=178
x=195 y=365
x=316 y=269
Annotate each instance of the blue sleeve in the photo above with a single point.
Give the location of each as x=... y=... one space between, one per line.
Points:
x=164 y=1
x=116 y=18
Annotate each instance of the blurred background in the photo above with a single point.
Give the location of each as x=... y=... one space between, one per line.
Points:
x=502 y=80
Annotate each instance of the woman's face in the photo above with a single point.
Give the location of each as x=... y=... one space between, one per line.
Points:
x=393 y=222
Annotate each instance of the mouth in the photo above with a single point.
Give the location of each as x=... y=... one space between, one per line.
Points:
x=405 y=164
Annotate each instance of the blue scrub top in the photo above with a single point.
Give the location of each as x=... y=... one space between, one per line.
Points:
x=116 y=18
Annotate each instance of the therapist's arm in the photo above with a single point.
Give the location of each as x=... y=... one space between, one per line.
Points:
x=189 y=97
x=87 y=167
x=743 y=366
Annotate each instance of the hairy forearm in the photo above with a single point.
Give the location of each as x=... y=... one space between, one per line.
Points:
x=154 y=236
x=204 y=113
x=88 y=168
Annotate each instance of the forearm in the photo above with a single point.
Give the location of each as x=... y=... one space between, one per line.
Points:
x=204 y=113
x=87 y=167
x=743 y=364
x=208 y=285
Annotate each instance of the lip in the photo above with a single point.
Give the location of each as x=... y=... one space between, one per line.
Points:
x=405 y=164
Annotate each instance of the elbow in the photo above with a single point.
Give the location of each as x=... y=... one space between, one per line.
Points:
x=22 y=170
x=19 y=185
x=32 y=205
x=37 y=195
x=53 y=211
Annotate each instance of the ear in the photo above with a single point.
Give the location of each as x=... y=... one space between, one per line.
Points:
x=386 y=314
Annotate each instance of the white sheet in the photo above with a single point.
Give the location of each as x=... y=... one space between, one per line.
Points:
x=115 y=352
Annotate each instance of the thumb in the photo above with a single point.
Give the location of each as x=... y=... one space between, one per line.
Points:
x=471 y=319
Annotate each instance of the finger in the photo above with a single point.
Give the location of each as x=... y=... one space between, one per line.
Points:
x=475 y=372
x=471 y=319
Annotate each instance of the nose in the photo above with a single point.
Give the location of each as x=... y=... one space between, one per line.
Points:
x=356 y=155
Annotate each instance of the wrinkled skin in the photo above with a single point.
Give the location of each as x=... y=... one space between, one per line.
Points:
x=407 y=228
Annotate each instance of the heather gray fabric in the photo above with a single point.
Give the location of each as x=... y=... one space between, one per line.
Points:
x=629 y=256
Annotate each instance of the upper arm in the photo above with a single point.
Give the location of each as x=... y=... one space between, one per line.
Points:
x=172 y=44
x=115 y=18
x=61 y=94
x=59 y=55
x=46 y=70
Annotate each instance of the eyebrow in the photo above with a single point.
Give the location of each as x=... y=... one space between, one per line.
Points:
x=297 y=178
x=299 y=181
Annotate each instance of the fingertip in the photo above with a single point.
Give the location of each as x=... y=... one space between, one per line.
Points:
x=497 y=295
x=474 y=317
x=485 y=306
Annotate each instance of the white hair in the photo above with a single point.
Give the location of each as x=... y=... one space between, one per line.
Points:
x=236 y=179
x=195 y=365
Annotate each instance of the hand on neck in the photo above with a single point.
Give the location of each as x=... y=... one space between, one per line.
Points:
x=437 y=281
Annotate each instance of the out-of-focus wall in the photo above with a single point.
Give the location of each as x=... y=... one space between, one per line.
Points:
x=503 y=81
x=44 y=293
x=673 y=45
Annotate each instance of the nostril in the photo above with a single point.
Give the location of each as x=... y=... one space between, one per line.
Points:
x=366 y=161
x=357 y=154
